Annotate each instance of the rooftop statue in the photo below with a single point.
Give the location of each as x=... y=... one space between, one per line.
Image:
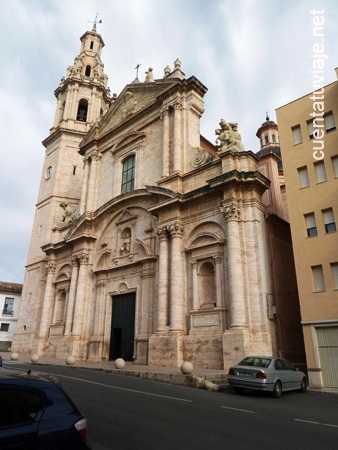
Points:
x=228 y=137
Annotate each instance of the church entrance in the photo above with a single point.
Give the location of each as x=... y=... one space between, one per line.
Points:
x=122 y=327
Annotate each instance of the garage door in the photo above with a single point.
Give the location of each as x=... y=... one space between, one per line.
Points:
x=327 y=339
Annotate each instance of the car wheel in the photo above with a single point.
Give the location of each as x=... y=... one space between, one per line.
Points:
x=277 y=390
x=303 y=385
x=238 y=390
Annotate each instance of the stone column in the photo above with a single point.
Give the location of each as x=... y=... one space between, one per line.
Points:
x=195 y=298
x=71 y=296
x=86 y=163
x=163 y=283
x=177 y=137
x=176 y=279
x=99 y=311
x=165 y=142
x=91 y=194
x=218 y=280
x=47 y=306
x=232 y=215
x=79 y=312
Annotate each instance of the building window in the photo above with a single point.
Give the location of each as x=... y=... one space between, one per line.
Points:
x=310 y=129
x=329 y=122
x=303 y=177
x=88 y=70
x=330 y=225
x=318 y=278
x=273 y=138
x=310 y=225
x=266 y=138
x=128 y=174
x=320 y=172
x=91 y=45
x=334 y=268
x=335 y=165
x=82 y=110
x=297 y=135
x=8 y=306
x=4 y=327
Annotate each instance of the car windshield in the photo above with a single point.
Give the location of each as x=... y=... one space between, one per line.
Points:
x=254 y=361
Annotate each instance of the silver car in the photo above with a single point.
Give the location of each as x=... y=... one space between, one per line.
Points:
x=264 y=373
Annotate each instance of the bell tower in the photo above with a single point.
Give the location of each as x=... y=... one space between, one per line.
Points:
x=82 y=98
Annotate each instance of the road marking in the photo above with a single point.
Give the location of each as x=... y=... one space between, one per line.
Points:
x=122 y=389
x=316 y=423
x=237 y=409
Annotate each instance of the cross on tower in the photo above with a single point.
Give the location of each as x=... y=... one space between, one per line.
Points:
x=95 y=21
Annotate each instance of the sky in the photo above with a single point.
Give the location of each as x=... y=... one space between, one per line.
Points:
x=253 y=56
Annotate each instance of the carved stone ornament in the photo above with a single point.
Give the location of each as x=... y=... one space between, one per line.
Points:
x=175 y=229
x=201 y=157
x=83 y=258
x=122 y=287
x=231 y=211
x=129 y=104
x=51 y=266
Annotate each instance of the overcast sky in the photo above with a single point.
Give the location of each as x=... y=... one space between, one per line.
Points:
x=253 y=56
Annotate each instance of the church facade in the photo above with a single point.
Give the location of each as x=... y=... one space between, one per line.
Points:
x=149 y=242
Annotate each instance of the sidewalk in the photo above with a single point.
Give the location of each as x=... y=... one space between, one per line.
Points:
x=210 y=379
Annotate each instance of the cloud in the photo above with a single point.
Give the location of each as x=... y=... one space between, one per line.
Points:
x=252 y=55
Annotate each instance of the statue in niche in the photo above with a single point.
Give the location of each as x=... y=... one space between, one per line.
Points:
x=228 y=137
x=126 y=244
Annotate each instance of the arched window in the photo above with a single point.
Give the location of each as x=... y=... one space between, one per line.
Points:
x=266 y=138
x=91 y=45
x=128 y=174
x=82 y=110
x=88 y=70
x=273 y=138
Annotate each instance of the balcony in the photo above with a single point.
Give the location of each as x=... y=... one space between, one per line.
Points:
x=7 y=312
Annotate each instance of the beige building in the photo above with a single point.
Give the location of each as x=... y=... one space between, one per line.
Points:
x=149 y=242
x=309 y=143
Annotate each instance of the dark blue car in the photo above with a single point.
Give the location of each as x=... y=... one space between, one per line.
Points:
x=37 y=414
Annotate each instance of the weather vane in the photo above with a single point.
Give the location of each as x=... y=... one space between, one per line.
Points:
x=95 y=21
x=136 y=68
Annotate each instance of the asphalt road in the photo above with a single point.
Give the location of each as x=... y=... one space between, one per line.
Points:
x=128 y=413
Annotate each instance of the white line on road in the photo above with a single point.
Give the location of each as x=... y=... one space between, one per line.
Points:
x=237 y=409
x=123 y=389
x=317 y=423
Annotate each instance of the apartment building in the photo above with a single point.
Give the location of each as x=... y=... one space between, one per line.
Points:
x=309 y=145
x=10 y=295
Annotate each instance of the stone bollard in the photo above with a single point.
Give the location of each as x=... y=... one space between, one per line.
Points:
x=14 y=356
x=35 y=358
x=187 y=368
x=119 y=363
x=70 y=360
